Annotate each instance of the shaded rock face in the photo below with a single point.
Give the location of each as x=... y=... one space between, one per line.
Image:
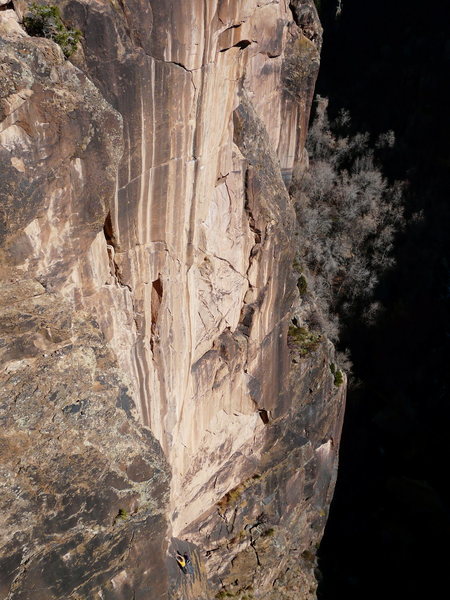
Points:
x=147 y=240
x=84 y=486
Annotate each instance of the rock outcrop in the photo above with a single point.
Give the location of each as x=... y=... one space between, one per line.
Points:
x=151 y=400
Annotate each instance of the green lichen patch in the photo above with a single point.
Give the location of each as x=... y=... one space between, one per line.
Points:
x=302 y=340
x=44 y=20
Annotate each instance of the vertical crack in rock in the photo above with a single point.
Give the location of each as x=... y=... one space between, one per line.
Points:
x=156 y=300
x=109 y=232
x=111 y=246
x=252 y=544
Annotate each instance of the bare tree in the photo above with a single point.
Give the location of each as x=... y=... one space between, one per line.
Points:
x=348 y=215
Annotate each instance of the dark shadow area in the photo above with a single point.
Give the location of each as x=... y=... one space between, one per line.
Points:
x=241 y=45
x=264 y=415
x=108 y=231
x=388 y=63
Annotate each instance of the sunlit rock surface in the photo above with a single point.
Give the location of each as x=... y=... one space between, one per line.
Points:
x=147 y=241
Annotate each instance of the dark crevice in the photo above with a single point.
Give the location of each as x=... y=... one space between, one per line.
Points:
x=157 y=294
x=293 y=10
x=178 y=64
x=252 y=544
x=233 y=27
x=9 y=6
x=248 y=310
x=222 y=179
x=264 y=415
x=248 y=210
x=242 y=45
x=109 y=231
x=111 y=246
x=156 y=300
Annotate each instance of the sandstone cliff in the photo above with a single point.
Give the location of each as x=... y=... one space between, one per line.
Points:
x=151 y=401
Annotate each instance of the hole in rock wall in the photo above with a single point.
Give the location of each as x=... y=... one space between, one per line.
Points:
x=264 y=415
x=156 y=299
x=109 y=231
x=242 y=44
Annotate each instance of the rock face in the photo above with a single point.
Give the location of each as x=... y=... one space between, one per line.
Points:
x=151 y=401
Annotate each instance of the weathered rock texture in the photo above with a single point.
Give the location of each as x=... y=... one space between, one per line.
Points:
x=147 y=240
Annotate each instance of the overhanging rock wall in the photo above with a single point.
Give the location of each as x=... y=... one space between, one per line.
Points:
x=147 y=232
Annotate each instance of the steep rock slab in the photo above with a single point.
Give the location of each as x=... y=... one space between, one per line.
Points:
x=191 y=260
x=181 y=251
x=261 y=537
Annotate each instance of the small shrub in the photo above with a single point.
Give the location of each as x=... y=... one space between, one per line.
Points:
x=338 y=375
x=232 y=496
x=122 y=515
x=303 y=340
x=44 y=20
x=338 y=378
x=235 y=494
